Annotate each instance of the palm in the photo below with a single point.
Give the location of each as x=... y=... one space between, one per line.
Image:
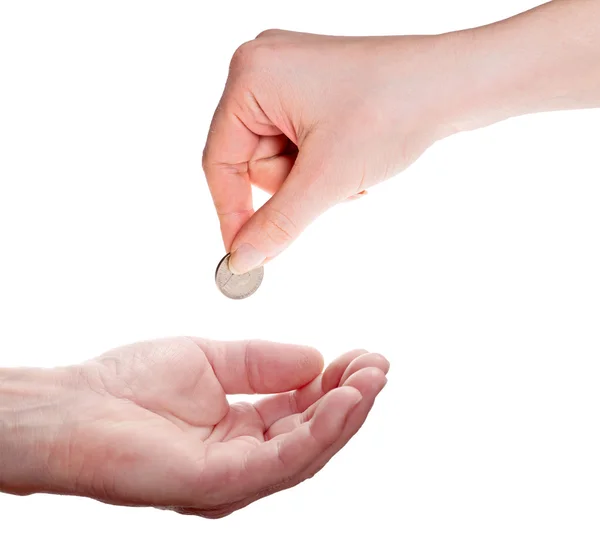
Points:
x=161 y=432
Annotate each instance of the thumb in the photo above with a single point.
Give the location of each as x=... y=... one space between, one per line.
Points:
x=259 y=367
x=312 y=186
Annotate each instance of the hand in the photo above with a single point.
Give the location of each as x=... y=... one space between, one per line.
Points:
x=314 y=120
x=150 y=425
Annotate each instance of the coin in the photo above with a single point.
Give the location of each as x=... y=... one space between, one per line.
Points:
x=237 y=286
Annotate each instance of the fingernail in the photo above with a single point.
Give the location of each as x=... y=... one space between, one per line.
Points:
x=245 y=258
x=357 y=401
x=382 y=363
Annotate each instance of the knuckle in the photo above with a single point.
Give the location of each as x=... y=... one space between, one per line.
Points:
x=242 y=54
x=243 y=408
x=269 y=33
x=251 y=55
x=279 y=227
x=280 y=453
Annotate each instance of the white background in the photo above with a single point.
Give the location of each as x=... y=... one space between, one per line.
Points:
x=476 y=272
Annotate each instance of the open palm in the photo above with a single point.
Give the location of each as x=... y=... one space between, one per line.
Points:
x=150 y=423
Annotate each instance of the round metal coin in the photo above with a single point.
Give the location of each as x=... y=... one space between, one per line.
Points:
x=237 y=286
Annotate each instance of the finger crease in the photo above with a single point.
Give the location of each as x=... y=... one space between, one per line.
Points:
x=235 y=212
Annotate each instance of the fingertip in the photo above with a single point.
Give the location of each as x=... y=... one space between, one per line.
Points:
x=317 y=358
x=245 y=258
x=376 y=375
x=364 y=361
x=383 y=382
x=311 y=360
x=379 y=361
x=331 y=415
x=370 y=381
x=353 y=396
x=334 y=371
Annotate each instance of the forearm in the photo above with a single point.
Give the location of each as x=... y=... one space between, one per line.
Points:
x=542 y=60
x=30 y=419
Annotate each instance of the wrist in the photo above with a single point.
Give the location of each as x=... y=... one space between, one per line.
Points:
x=542 y=60
x=32 y=404
x=492 y=79
x=442 y=82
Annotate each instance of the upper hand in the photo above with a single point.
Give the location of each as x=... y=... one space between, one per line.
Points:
x=314 y=120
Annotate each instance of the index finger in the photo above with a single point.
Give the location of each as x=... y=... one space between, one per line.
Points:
x=256 y=366
x=229 y=148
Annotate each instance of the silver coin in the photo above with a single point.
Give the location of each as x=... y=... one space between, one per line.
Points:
x=237 y=286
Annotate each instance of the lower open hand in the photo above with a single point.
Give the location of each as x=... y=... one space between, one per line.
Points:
x=150 y=424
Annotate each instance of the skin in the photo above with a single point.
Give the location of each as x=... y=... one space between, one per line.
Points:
x=315 y=120
x=149 y=424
